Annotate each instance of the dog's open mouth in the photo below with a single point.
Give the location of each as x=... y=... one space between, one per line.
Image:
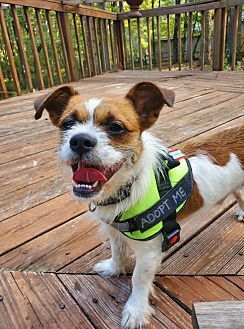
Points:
x=89 y=178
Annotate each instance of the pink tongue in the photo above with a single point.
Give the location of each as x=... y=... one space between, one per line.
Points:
x=88 y=175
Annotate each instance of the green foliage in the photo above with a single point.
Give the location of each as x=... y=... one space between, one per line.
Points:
x=28 y=46
x=146 y=40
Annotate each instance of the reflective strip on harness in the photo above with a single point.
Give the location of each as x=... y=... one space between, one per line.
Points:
x=166 y=206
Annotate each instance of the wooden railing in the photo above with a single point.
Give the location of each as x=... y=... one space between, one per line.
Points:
x=170 y=36
x=45 y=43
x=49 y=42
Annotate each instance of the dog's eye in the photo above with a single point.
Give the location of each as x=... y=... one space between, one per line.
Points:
x=116 y=128
x=67 y=123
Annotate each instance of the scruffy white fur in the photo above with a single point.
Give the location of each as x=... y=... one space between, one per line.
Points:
x=214 y=183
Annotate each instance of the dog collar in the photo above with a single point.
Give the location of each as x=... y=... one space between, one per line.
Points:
x=122 y=194
x=165 y=199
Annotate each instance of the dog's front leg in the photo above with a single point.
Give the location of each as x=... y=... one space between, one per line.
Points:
x=117 y=263
x=137 y=310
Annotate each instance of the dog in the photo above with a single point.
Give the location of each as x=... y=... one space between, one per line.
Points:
x=111 y=157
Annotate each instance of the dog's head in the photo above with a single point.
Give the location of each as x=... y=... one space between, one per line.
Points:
x=101 y=138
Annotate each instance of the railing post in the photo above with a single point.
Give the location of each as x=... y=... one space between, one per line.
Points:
x=120 y=44
x=223 y=38
x=220 y=21
x=235 y=32
x=65 y=24
x=217 y=40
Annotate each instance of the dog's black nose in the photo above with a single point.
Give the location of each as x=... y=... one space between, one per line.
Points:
x=82 y=143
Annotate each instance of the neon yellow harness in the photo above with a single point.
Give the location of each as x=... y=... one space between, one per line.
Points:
x=157 y=211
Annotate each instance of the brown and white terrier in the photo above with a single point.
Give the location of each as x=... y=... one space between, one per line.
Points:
x=105 y=144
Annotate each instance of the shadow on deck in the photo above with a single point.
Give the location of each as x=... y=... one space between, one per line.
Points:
x=43 y=230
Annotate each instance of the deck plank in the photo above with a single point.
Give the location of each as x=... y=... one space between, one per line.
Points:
x=237 y=280
x=228 y=286
x=198 y=122
x=104 y=299
x=210 y=250
x=189 y=290
x=29 y=177
x=16 y=231
x=37 y=301
x=31 y=196
x=216 y=315
x=56 y=248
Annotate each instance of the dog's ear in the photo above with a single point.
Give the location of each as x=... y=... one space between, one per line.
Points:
x=55 y=103
x=148 y=100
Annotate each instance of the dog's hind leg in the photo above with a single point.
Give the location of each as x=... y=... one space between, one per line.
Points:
x=239 y=195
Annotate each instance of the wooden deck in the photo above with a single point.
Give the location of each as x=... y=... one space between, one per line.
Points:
x=48 y=244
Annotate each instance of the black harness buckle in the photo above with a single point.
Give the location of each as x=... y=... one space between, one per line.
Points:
x=170 y=239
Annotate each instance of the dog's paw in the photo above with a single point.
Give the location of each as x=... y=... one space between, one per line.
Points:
x=108 y=268
x=240 y=215
x=136 y=315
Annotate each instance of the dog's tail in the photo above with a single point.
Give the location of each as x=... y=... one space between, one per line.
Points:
x=219 y=146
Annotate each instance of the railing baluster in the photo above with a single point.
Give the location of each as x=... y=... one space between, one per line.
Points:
x=131 y=47
x=34 y=48
x=2 y=83
x=22 y=47
x=203 y=36
x=217 y=39
x=124 y=43
x=116 y=27
x=139 y=41
x=97 y=45
x=102 y=44
x=111 y=42
x=121 y=45
x=106 y=42
x=149 y=45
x=9 y=52
x=169 y=42
x=67 y=36
x=91 y=45
x=179 y=41
x=235 y=32
x=189 y=40
x=85 y=45
x=66 y=62
x=44 y=47
x=159 y=44
x=223 y=38
x=54 y=48
x=78 y=45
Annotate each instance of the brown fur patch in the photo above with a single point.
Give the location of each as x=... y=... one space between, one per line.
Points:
x=194 y=204
x=148 y=100
x=55 y=103
x=218 y=146
x=75 y=106
x=121 y=111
